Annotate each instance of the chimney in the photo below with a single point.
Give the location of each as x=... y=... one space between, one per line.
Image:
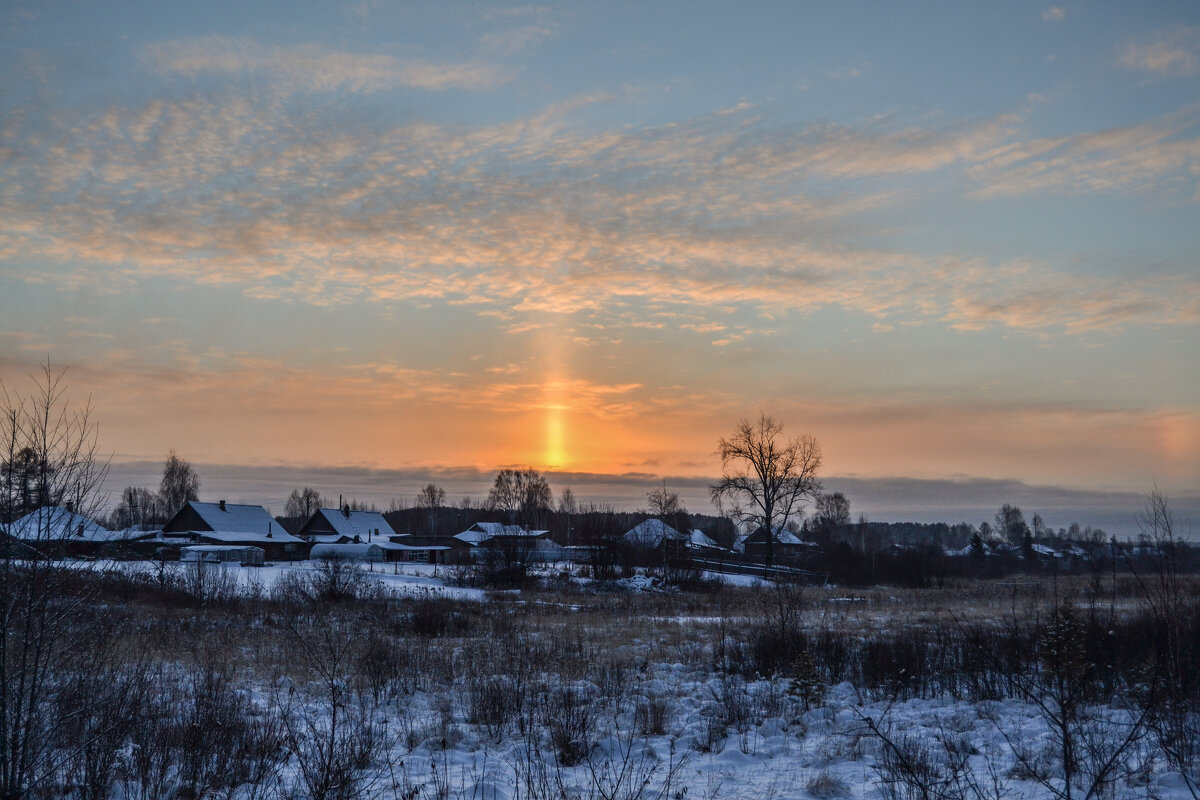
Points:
x=270 y=525
x=79 y=531
x=346 y=511
x=70 y=506
x=221 y=504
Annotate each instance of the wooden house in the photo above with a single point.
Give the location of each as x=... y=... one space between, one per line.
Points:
x=344 y=526
x=786 y=546
x=58 y=532
x=224 y=523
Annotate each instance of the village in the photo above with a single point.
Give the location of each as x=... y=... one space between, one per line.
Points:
x=814 y=551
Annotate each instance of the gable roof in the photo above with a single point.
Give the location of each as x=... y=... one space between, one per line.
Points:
x=55 y=523
x=234 y=517
x=480 y=532
x=652 y=533
x=698 y=538
x=782 y=536
x=279 y=536
x=366 y=525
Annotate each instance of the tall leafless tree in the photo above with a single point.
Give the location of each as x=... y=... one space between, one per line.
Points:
x=138 y=508
x=767 y=477
x=663 y=503
x=302 y=503
x=180 y=483
x=39 y=609
x=832 y=510
x=431 y=498
x=520 y=493
x=1010 y=523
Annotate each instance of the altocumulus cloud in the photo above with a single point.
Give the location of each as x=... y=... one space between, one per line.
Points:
x=539 y=214
x=316 y=68
x=1172 y=52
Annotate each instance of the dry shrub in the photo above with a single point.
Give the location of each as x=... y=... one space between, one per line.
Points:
x=651 y=715
x=827 y=787
x=570 y=721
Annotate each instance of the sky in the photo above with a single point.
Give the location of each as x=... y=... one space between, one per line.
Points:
x=952 y=241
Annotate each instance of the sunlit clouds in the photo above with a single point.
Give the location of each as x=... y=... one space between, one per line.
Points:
x=1172 y=52
x=539 y=215
x=593 y=238
x=311 y=67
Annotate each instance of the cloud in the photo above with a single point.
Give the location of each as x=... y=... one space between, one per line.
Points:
x=1054 y=14
x=1157 y=154
x=316 y=68
x=849 y=72
x=1022 y=296
x=1169 y=53
x=515 y=40
x=542 y=216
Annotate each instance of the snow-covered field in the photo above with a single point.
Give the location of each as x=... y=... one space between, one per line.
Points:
x=445 y=691
x=777 y=751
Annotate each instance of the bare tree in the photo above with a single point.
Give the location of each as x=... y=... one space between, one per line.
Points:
x=302 y=503
x=832 y=510
x=767 y=477
x=39 y=609
x=520 y=493
x=663 y=503
x=138 y=508
x=1174 y=612
x=432 y=498
x=566 y=502
x=1010 y=522
x=180 y=483
x=504 y=495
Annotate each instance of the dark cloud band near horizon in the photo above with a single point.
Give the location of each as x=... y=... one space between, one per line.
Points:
x=895 y=499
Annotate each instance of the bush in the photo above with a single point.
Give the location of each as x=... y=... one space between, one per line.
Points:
x=570 y=721
x=651 y=714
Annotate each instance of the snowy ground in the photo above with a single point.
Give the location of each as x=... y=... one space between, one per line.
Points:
x=779 y=751
x=408 y=579
x=666 y=729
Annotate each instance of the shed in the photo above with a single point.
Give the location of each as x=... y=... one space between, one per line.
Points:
x=427 y=549
x=279 y=546
x=223 y=553
x=347 y=552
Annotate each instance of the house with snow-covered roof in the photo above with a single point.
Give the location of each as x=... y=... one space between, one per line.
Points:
x=55 y=523
x=58 y=531
x=233 y=524
x=344 y=526
x=653 y=534
x=785 y=545
x=513 y=541
x=481 y=532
